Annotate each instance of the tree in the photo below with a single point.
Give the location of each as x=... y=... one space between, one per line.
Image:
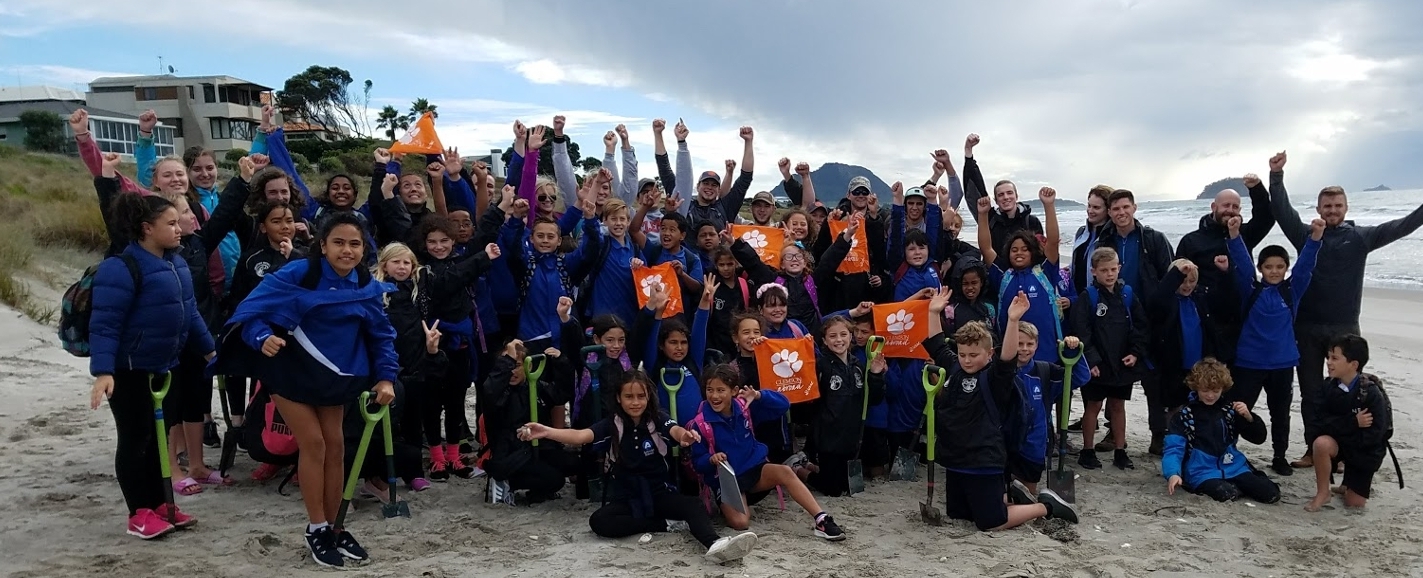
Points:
x=419 y=108
x=321 y=95
x=44 y=131
x=391 y=120
x=591 y=164
x=546 y=155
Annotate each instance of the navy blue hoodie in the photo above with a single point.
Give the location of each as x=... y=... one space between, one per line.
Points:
x=147 y=331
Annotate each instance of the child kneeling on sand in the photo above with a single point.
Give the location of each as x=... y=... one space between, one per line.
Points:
x=1353 y=425
x=725 y=423
x=641 y=498
x=1199 y=451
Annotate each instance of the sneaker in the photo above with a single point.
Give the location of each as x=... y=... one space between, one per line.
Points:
x=1088 y=459
x=1075 y=426
x=1282 y=467
x=796 y=461
x=347 y=545
x=1018 y=494
x=322 y=544
x=439 y=468
x=731 y=548
x=1057 y=507
x=499 y=493
x=674 y=526
x=147 y=525
x=456 y=465
x=210 y=438
x=1122 y=461
x=419 y=485
x=265 y=472
x=179 y=519
x=826 y=528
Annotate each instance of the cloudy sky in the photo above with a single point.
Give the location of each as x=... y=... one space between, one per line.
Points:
x=1160 y=97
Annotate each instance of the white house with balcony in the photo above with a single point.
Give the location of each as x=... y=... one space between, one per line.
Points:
x=220 y=113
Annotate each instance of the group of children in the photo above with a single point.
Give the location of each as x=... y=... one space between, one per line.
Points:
x=653 y=347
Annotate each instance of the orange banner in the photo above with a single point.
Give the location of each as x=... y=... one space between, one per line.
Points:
x=767 y=241
x=645 y=280
x=904 y=327
x=787 y=366
x=858 y=261
x=420 y=139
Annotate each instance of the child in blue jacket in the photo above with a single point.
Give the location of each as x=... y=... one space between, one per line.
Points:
x=672 y=347
x=1040 y=385
x=1266 y=356
x=725 y=423
x=1200 y=451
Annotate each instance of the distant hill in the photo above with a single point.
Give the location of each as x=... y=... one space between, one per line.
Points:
x=1379 y=188
x=1234 y=183
x=832 y=181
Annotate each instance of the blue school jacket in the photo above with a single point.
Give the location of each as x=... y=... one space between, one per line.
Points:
x=147 y=331
x=734 y=436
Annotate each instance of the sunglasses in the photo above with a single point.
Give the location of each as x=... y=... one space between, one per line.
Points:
x=860 y=192
x=545 y=199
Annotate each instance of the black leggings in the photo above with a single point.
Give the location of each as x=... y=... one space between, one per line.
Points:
x=615 y=520
x=1248 y=484
x=444 y=396
x=419 y=407
x=1278 y=385
x=190 y=394
x=543 y=476
x=833 y=479
x=236 y=388
x=136 y=458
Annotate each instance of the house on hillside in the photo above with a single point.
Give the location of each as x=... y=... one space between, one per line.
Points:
x=219 y=112
x=114 y=132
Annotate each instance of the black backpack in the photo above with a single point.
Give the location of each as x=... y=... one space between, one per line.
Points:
x=77 y=306
x=1362 y=396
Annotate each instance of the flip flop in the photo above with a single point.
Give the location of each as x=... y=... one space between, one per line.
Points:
x=214 y=479
x=187 y=487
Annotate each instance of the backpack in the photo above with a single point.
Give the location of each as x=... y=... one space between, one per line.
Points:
x=1361 y=396
x=904 y=269
x=268 y=438
x=77 y=306
x=1285 y=292
x=1050 y=288
x=584 y=301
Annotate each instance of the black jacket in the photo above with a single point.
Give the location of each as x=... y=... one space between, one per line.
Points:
x=1207 y=242
x=1336 y=410
x=1000 y=226
x=408 y=307
x=1153 y=259
x=969 y=438
x=1109 y=333
x=254 y=264
x=850 y=289
x=1164 y=309
x=801 y=307
x=837 y=423
x=1336 y=291
x=508 y=410
x=977 y=310
x=196 y=254
x=448 y=281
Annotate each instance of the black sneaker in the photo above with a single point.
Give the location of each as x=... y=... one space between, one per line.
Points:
x=210 y=438
x=1121 y=460
x=826 y=528
x=1018 y=494
x=347 y=545
x=322 y=544
x=1057 y=507
x=1075 y=426
x=1282 y=467
x=1088 y=459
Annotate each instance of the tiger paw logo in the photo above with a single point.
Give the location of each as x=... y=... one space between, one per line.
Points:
x=899 y=322
x=650 y=284
x=756 y=239
x=786 y=363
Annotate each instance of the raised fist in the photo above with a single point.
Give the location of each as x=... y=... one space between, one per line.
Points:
x=146 y=121
x=622 y=131
x=747 y=133
x=1251 y=180
x=658 y=125
x=382 y=155
x=802 y=169
x=1277 y=162
x=730 y=165
x=1047 y=195
x=968 y=143
x=681 y=131
x=558 y=124
x=609 y=139
x=79 y=122
x=1316 y=229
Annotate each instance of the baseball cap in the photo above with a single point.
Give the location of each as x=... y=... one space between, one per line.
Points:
x=764 y=197
x=858 y=183
x=915 y=192
x=819 y=206
x=710 y=176
x=642 y=184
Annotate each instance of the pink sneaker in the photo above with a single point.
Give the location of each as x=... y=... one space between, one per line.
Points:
x=419 y=485
x=265 y=472
x=147 y=525
x=180 y=519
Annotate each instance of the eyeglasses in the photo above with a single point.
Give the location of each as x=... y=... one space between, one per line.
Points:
x=792 y=257
x=860 y=192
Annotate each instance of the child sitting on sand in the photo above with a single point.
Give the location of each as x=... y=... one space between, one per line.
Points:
x=1355 y=421
x=1200 y=451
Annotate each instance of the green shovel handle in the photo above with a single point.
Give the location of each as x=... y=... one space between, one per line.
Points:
x=873 y=348
x=159 y=423
x=533 y=370
x=931 y=388
x=349 y=491
x=367 y=414
x=1068 y=364
x=162 y=391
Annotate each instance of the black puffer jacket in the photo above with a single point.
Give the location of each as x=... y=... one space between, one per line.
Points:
x=508 y=410
x=1207 y=242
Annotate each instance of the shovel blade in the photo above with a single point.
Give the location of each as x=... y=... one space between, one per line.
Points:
x=905 y=466
x=394 y=510
x=856 y=471
x=931 y=515
x=1064 y=482
x=229 y=453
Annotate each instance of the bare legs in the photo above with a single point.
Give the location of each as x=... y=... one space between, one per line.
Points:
x=322 y=454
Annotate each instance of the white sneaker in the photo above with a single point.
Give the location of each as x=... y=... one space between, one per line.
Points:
x=499 y=493
x=796 y=460
x=731 y=548
x=678 y=526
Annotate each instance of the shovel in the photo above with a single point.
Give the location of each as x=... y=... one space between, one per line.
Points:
x=1063 y=481
x=672 y=390
x=855 y=467
x=394 y=507
x=229 y=437
x=533 y=370
x=163 y=465
x=594 y=484
x=371 y=417
x=927 y=510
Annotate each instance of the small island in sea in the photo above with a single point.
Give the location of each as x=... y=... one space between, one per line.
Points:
x=1379 y=188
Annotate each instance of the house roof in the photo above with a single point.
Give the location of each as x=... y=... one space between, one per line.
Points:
x=37 y=93
x=170 y=80
x=10 y=111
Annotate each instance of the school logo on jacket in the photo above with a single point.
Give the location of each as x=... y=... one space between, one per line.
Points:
x=647 y=448
x=1101 y=309
x=261 y=268
x=969 y=384
x=835 y=383
x=1228 y=458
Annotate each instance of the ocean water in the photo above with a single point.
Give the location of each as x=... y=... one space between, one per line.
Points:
x=1398 y=265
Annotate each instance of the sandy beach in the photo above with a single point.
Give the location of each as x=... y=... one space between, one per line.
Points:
x=65 y=515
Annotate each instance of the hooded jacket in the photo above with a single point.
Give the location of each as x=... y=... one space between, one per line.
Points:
x=1153 y=256
x=803 y=306
x=1168 y=335
x=1200 y=443
x=1110 y=331
x=972 y=411
x=690 y=394
x=546 y=276
x=144 y=331
x=734 y=437
x=1267 y=334
x=508 y=410
x=851 y=288
x=1208 y=241
x=961 y=308
x=904 y=395
x=1000 y=226
x=1336 y=411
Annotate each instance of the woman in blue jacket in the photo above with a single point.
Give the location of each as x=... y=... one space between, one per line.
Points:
x=321 y=328
x=143 y=315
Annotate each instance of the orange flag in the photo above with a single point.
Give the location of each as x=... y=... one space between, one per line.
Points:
x=645 y=279
x=858 y=261
x=904 y=327
x=787 y=366
x=420 y=139
x=767 y=241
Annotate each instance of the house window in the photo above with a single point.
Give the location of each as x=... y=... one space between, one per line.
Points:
x=150 y=94
x=209 y=93
x=3 y=136
x=190 y=93
x=176 y=124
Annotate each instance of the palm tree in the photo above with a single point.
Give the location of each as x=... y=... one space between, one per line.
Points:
x=420 y=107
x=391 y=120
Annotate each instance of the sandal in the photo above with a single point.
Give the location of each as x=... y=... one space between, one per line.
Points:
x=187 y=487
x=214 y=479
